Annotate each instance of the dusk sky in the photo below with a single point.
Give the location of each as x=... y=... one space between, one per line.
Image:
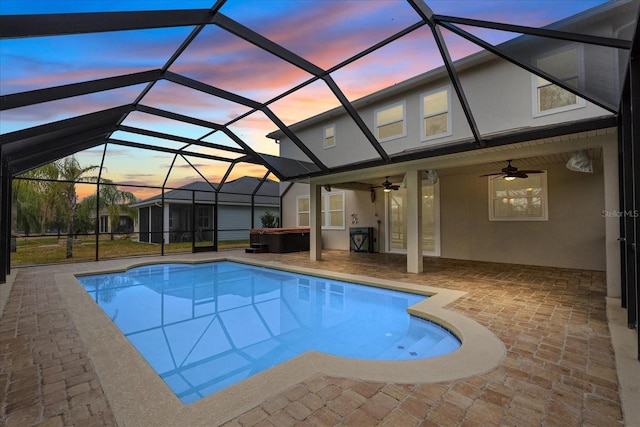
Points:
x=325 y=32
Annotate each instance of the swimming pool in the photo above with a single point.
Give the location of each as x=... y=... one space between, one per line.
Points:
x=206 y=326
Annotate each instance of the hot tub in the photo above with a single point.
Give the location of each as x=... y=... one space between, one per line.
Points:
x=280 y=240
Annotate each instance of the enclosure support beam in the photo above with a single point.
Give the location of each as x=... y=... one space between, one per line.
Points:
x=634 y=192
x=5 y=222
x=612 y=222
x=315 y=221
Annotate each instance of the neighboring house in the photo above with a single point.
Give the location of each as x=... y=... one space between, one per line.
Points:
x=126 y=224
x=442 y=206
x=189 y=211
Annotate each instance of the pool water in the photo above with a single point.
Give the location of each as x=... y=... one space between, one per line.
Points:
x=204 y=327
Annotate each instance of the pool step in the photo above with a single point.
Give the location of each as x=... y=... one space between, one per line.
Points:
x=257 y=248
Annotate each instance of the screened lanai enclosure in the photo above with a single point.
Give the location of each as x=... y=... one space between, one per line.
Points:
x=159 y=94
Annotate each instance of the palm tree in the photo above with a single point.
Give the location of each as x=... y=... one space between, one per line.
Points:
x=69 y=173
x=115 y=201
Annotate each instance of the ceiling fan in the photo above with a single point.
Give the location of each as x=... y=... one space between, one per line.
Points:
x=387 y=185
x=509 y=173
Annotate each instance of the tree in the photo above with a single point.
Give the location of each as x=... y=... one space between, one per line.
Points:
x=83 y=222
x=70 y=172
x=35 y=199
x=116 y=202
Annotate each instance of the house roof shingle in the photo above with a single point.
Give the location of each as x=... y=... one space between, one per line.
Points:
x=233 y=192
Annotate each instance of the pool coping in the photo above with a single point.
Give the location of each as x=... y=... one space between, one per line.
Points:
x=139 y=397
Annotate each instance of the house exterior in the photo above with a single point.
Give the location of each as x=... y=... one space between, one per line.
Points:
x=443 y=205
x=126 y=224
x=188 y=211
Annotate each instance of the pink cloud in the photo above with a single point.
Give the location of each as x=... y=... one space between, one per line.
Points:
x=32 y=79
x=334 y=31
x=38 y=114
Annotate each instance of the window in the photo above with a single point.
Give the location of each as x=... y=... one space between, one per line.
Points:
x=333 y=210
x=332 y=215
x=104 y=224
x=329 y=136
x=550 y=98
x=202 y=217
x=303 y=211
x=436 y=120
x=390 y=122
x=521 y=199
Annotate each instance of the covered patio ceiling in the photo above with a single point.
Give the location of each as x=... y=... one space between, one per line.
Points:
x=191 y=85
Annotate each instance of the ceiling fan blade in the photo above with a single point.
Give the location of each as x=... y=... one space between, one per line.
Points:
x=530 y=171
x=493 y=174
x=394 y=187
x=520 y=174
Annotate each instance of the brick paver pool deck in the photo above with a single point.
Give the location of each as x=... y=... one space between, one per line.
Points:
x=559 y=367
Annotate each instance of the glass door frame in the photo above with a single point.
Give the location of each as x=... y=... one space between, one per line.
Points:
x=388 y=217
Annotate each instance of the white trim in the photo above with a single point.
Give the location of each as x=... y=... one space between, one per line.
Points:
x=298 y=211
x=387 y=226
x=325 y=210
x=449 y=131
x=580 y=75
x=544 y=200
x=324 y=136
x=404 y=121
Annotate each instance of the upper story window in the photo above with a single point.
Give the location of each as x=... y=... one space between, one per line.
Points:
x=390 y=122
x=436 y=119
x=332 y=208
x=521 y=199
x=329 y=136
x=550 y=98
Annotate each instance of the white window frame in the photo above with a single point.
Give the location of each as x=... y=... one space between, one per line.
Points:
x=325 y=138
x=325 y=211
x=423 y=116
x=376 y=125
x=298 y=212
x=436 y=205
x=544 y=196
x=580 y=102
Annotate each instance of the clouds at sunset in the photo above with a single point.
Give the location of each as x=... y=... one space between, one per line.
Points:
x=323 y=32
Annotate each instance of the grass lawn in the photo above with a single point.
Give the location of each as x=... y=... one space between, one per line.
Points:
x=50 y=249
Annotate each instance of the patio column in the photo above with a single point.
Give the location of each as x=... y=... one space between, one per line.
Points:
x=414 y=222
x=315 y=222
x=611 y=219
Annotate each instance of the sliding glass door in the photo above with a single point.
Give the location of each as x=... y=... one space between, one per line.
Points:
x=397 y=220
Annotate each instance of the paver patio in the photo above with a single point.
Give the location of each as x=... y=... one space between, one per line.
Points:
x=559 y=368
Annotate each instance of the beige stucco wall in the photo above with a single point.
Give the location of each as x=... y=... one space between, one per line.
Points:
x=573 y=237
x=358 y=202
x=500 y=94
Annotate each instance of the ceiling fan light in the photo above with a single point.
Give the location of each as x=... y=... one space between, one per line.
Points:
x=509 y=178
x=387 y=190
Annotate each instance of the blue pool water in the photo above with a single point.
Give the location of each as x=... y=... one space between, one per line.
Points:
x=204 y=327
